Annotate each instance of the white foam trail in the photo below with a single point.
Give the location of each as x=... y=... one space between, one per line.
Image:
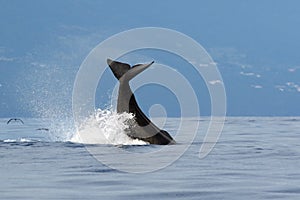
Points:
x=17 y=140
x=9 y=140
x=106 y=127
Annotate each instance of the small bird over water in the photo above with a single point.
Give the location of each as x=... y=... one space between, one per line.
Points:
x=15 y=119
x=42 y=129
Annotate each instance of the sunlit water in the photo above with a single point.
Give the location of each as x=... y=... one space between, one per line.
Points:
x=255 y=158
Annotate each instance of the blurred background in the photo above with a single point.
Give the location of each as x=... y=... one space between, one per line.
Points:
x=255 y=44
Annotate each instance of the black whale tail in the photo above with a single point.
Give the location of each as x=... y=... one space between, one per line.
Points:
x=124 y=71
x=144 y=129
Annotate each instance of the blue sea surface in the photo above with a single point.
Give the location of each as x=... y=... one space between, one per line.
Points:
x=255 y=158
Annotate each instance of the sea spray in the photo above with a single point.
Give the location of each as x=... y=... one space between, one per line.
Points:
x=106 y=127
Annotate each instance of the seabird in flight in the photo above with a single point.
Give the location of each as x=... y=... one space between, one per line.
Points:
x=15 y=119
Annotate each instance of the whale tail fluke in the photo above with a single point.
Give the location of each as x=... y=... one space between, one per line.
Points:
x=118 y=68
x=124 y=71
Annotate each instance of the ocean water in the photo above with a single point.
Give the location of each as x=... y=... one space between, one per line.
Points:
x=255 y=158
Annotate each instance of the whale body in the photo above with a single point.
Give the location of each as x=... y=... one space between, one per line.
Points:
x=143 y=129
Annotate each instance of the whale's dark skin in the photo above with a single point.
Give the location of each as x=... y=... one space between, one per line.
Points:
x=144 y=129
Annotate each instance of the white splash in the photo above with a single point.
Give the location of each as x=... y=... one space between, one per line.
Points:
x=281 y=88
x=18 y=140
x=289 y=87
x=257 y=86
x=293 y=86
x=106 y=127
x=250 y=74
x=214 y=82
x=294 y=69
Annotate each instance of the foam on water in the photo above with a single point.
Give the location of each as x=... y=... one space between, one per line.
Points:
x=17 y=140
x=102 y=127
x=106 y=127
